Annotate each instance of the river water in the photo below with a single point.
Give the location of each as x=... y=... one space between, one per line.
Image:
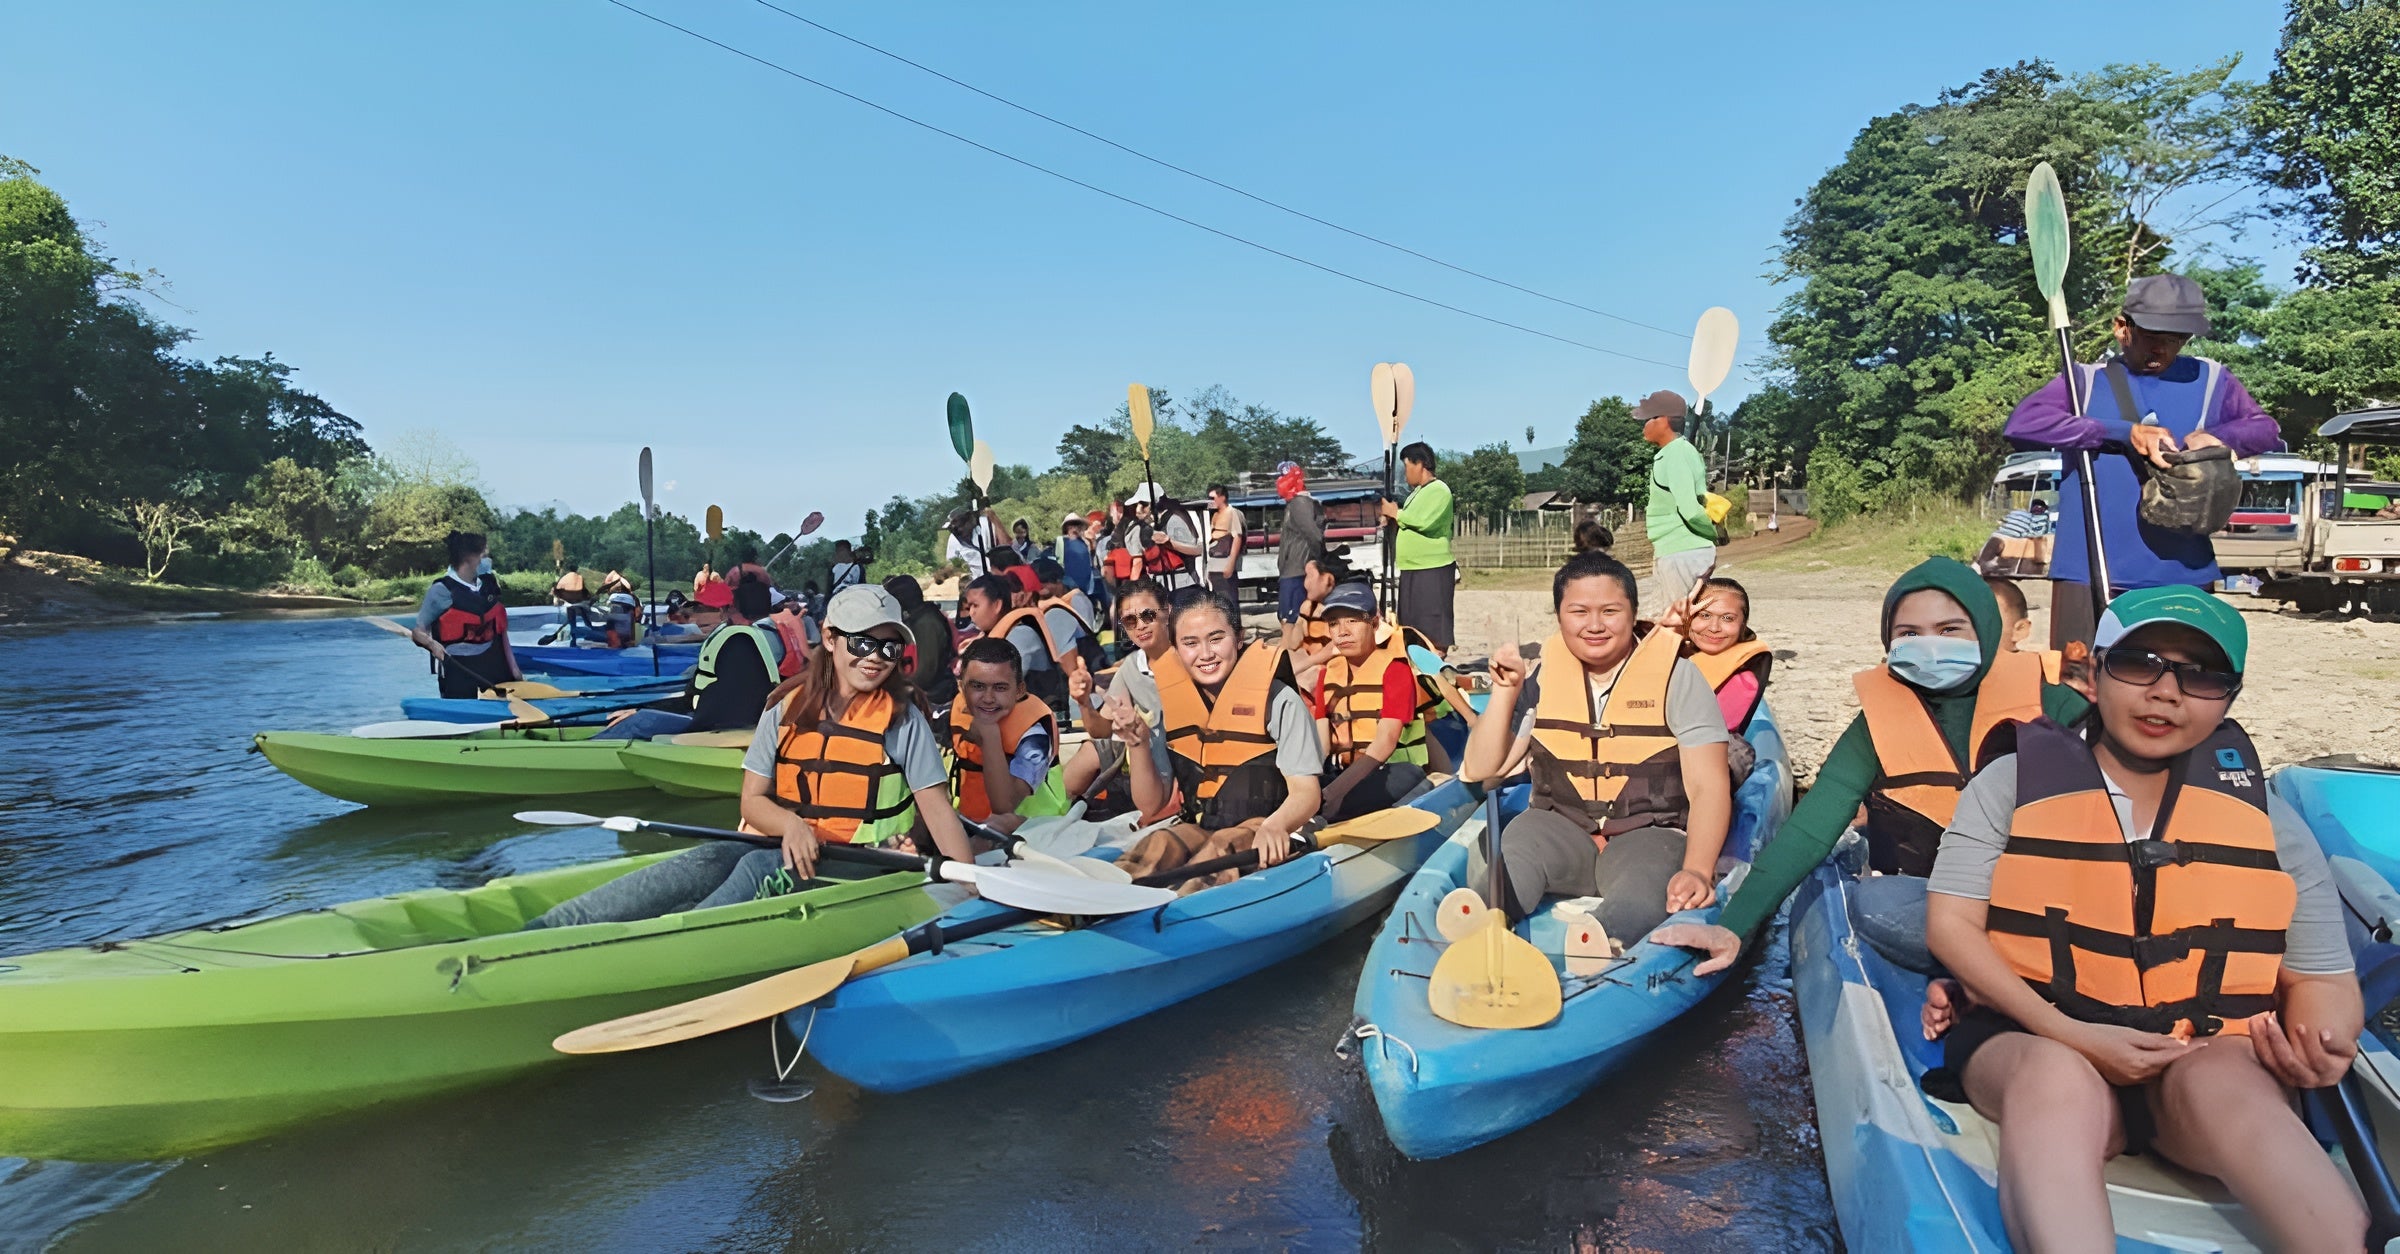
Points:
x=130 y=804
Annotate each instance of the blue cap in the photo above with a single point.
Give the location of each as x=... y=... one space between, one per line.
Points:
x=1356 y=598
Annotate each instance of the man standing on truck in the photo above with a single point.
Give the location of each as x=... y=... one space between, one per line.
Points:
x=2146 y=401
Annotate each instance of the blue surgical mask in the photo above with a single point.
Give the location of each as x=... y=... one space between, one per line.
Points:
x=486 y=567
x=1934 y=663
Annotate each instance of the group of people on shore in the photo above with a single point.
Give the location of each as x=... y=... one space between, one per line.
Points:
x=2134 y=946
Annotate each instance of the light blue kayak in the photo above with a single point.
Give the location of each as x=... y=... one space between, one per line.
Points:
x=1026 y=989
x=475 y=710
x=1442 y=1088
x=555 y=659
x=1911 y=1172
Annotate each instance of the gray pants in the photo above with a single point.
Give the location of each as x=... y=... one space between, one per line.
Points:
x=1547 y=854
x=718 y=873
x=1672 y=577
x=1888 y=912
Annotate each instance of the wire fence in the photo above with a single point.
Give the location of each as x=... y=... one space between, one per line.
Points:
x=1543 y=539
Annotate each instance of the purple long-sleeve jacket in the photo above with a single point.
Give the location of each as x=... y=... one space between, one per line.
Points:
x=2192 y=393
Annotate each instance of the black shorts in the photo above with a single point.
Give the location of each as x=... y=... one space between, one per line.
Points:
x=1978 y=1025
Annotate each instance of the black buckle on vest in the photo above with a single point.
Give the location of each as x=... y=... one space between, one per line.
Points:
x=2150 y=855
x=2159 y=951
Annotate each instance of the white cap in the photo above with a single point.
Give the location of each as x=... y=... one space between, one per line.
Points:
x=861 y=608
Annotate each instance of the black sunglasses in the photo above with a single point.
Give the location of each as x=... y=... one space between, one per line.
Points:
x=1142 y=618
x=869 y=646
x=2143 y=668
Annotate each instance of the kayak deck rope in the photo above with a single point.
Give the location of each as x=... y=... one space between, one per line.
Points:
x=1361 y=1030
x=783 y=1070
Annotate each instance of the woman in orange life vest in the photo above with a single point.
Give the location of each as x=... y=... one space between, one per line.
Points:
x=1941 y=704
x=1631 y=798
x=844 y=753
x=2210 y=975
x=1240 y=743
x=462 y=623
x=996 y=720
x=1366 y=702
x=1132 y=696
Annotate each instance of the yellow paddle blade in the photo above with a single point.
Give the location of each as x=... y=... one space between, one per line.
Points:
x=1396 y=823
x=525 y=712
x=1494 y=978
x=1137 y=406
x=749 y=1003
x=530 y=690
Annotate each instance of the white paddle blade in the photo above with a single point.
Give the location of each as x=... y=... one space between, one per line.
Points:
x=420 y=729
x=1384 y=395
x=557 y=818
x=1713 y=341
x=1031 y=859
x=980 y=467
x=1052 y=893
x=1404 y=398
x=645 y=476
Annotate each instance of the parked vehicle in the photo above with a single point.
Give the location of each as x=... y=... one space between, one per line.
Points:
x=1352 y=522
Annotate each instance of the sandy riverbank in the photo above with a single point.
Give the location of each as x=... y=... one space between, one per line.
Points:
x=2317 y=685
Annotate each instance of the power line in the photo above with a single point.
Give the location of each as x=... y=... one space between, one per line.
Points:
x=1128 y=200
x=1217 y=183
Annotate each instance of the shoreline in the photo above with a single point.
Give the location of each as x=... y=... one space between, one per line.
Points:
x=31 y=595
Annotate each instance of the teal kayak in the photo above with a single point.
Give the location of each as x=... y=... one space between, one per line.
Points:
x=1442 y=1088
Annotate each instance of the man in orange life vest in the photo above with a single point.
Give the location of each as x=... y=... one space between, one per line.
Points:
x=996 y=720
x=2136 y=917
x=463 y=624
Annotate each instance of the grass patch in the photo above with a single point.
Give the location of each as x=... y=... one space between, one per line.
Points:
x=1891 y=540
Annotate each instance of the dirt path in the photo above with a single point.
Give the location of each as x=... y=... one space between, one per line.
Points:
x=2317 y=685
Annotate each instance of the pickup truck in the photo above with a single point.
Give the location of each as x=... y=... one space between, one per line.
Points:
x=2343 y=547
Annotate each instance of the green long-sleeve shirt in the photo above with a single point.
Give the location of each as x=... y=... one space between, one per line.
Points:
x=1677 y=515
x=1841 y=787
x=1425 y=529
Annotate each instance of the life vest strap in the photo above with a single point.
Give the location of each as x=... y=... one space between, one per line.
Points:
x=2146 y=952
x=1623 y=770
x=1610 y=732
x=1926 y=779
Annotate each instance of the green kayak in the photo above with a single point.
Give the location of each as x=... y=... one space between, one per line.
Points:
x=161 y=1047
x=542 y=762
x=695 y=764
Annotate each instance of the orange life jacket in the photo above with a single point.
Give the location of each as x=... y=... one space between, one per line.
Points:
x=1162 y=557
x=1601 y=768
x=794 y=631
x=838 y=776
x=1222 y=755
x=1315 y=636
x=966 y=765
x=1720 y=668
x=1120 y=561
x=475 y=615
x=1916 y=793
x=1354 y=706
x=2185 y=928
x=2054 y=665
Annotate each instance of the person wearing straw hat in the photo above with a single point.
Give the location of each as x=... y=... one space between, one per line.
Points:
x=2146 y=402
x=1683 y=537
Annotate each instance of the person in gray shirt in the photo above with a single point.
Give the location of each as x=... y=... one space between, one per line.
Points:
x=2152 y=945
x=1650 y=848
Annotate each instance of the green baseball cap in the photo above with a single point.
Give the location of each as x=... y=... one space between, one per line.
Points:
x=2192 y=607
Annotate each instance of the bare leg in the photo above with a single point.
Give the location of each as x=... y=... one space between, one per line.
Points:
x=2058 y=1129
x=2220 y=1112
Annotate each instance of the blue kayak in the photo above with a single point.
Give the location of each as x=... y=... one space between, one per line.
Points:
x=1910 y=1171
x=1035 y=987
x=1442 y=1088
x=477 y=710
x=555 y=659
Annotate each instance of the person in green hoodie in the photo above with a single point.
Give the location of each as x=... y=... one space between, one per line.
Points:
x=1944 y=701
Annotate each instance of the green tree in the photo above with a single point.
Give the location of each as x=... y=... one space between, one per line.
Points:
x=2328 y=126
x=1092 y=452
x=1607 y=462
x=1486 y=483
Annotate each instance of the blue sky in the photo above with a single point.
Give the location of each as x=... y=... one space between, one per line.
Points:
x=554 y=231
